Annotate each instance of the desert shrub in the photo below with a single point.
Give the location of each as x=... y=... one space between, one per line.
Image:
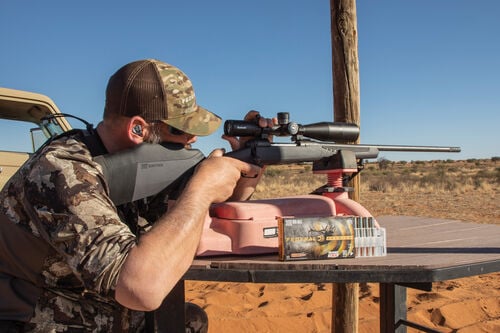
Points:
x=414 y=169
x=438 y=179
x=478 y=182
x=383 y=163
x=272 y=172
x=405 y=171
x=487 y=176
x=378 y=186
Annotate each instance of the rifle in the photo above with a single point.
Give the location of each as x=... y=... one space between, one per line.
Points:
x=310 y=143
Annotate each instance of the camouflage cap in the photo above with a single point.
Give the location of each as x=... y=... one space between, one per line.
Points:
x=157 y=91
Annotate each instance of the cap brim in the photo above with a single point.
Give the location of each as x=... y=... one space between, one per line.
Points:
x=201 y=122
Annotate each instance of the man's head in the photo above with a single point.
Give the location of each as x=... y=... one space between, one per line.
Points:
x=157 y=91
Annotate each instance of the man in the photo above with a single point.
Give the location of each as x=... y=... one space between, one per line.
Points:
x=68 y=262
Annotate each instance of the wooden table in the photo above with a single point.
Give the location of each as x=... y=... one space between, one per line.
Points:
x=419 y=251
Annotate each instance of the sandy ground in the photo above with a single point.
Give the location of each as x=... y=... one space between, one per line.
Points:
x=462 y=306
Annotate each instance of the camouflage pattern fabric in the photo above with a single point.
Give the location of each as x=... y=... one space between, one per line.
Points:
x=183 y=112
x=59 y=197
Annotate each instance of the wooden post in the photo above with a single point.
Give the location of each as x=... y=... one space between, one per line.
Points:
x=345 y=66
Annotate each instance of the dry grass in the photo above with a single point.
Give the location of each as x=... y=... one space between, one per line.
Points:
x=460 y=190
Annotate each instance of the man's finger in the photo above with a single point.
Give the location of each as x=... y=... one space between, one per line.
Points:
x=217 y=152
x=251 y=115
x=249 y=170
x=233 y=142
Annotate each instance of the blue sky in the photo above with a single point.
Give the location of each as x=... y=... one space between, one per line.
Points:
x=429 y=69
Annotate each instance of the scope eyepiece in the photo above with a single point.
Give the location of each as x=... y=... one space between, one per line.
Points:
x=241 y=128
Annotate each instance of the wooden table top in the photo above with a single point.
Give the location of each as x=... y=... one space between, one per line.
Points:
x=418 y=250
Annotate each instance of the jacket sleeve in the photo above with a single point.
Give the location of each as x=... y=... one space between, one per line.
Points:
x=73 y=212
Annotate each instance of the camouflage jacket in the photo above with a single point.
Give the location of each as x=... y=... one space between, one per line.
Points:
x=62 y=244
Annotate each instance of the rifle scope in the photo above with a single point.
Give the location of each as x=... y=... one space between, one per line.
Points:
x=323 y=131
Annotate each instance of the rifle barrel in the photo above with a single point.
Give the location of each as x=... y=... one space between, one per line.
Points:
x=417 y=148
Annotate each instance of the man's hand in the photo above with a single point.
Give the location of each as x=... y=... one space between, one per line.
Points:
x=217 y=176
x=252 y=116
x=247 y=183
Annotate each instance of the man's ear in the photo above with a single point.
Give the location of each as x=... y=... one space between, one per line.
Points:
x=136 y=129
